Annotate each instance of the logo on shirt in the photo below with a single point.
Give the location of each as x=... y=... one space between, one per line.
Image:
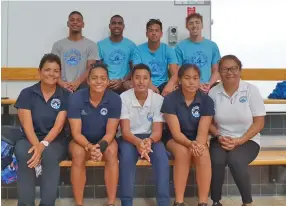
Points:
x=116 y=57
x=156 y=68
x=199 y=58
x=196 y=111
x=103 y=111
x=83 y=112
x=150 y=116
x=55 y=103
x=242 y=99
x=72 y=57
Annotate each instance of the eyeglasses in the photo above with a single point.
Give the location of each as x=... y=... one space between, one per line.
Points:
x=232 y=69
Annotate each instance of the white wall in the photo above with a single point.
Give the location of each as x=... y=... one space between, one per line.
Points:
x=35 y=26
x=253 y=30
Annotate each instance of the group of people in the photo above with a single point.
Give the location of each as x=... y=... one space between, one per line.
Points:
x=123 y=105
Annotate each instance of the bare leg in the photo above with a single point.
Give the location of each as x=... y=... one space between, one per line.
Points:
x=181 y=168
x=79 y=157
x=203 y=175
x=111 y=171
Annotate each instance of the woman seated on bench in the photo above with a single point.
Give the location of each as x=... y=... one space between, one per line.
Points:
x=141 y=127
x=188 y=112
x=238 y=120
x=42 y=113
x=94 y=114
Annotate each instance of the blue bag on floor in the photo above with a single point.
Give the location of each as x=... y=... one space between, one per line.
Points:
x=279 y=92
x=9 y=165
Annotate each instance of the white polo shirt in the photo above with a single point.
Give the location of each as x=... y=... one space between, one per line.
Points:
x=234 y=115
x=141 y=117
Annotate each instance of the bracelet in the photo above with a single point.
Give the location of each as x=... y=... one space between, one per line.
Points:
x=152 y=140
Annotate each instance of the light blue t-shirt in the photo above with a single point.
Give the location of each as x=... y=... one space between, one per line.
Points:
x=117 y=56
x=157 y=61
x=204 y=54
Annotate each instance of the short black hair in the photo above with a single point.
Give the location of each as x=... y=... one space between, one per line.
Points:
x=140 y=67
x=154 y=21
x=97 y=65
x=186 y=67
x=116 y=16
x=50 y=57
x=75 y=12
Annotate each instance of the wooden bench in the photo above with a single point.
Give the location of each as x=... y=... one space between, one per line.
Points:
x=273 y=157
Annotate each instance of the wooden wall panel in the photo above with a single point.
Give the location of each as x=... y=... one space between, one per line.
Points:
x=23 y=74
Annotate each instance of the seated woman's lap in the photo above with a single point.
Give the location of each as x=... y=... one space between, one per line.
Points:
x=182 y=152
x=78 y=152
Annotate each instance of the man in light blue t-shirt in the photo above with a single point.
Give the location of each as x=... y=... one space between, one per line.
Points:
x=159 y=57
x=116 y=51
x=200 y=51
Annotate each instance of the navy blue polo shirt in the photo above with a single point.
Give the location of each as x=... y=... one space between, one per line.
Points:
x=94 y=119
x=44 y=113
x=189 y=116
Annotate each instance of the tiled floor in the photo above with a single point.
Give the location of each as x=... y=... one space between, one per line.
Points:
x=227 y=201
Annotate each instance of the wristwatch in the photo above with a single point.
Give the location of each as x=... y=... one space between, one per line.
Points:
x=45 y=143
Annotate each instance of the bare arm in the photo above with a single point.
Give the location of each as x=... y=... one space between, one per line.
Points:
x=203 y=130
x=174 y=125
x=254 y=129
x=157 y=129
x=174 y=73
x=25 y=118
x=127 y=134
x=111 y=129
x=215 y=74
x=76 y=125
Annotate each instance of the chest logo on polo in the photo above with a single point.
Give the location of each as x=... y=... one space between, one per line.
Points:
x=72 y=57
x=55 y=103
x=103 y=111
x=196 y=111
x=242 y=99
x=150 y=116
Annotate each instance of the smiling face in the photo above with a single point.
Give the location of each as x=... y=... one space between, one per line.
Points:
x=195 y=26
x=50 y=73
x=75 y=23
x=116 y=26
x=230 y=71
x=98 y=80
